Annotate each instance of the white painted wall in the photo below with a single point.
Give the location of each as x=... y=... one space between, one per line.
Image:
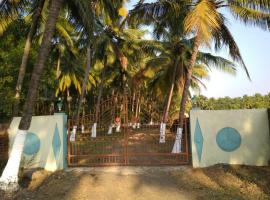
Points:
x=44 y=127
x=251 y=124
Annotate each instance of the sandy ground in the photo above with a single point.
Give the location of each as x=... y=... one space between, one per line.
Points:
x=122 y=183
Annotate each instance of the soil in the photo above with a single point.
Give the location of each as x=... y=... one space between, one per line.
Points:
x=115 y=183
x=3 y=128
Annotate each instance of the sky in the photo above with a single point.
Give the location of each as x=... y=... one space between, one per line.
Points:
x=254 y=45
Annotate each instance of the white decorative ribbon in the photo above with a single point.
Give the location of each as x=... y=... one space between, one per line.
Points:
x=118 y=128
x=73 y=134
x=82 y=128
x=162 y=132
x=110 y=130
x=178 y=141
x=94 y=130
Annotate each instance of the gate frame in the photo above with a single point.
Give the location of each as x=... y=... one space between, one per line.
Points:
x=126 y=154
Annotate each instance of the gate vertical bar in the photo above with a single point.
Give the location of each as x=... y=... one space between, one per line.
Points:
x=126 y=128
x=68 y=143
x=186 y=140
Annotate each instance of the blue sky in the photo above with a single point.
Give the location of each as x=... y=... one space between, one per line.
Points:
x=254 y=45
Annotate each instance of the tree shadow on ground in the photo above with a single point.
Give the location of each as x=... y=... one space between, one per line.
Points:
x=227 y=182
x=217 y=182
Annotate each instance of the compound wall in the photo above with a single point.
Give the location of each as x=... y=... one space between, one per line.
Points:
x=230 y=136
x=46 y=142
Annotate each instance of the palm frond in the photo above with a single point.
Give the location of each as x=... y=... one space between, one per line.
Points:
x=250 y=14
x=224 y=37
x=217 y=62
x=203 y=20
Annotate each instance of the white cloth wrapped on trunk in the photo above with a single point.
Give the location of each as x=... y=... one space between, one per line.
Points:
x=82 y=128
x=9 y=178
x=118 y=127
x=110 y=130
x=73 y=134
x=177 y=147
x=162 y=132
x=94 y=130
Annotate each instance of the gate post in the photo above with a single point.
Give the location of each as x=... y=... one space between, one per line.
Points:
x=125 y=99
x=68 y=143
x=186 y=139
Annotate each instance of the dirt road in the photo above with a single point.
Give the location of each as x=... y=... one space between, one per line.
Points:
x=123 y=183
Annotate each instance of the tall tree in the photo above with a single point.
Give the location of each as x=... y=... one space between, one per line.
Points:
x=28 y=44
x=9 y=178
x=206 y=22
x=202 y=19
x=85 y=80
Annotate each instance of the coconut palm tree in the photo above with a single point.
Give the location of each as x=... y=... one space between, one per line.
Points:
x=9 y=178
x=38 y=15
x=206 y=22
x=35 y=19
x=179 y=72
x=9 y=11
x=85 y=81
x=95 y=10
x=173 y=67
x=114 y=39
x=176 y=17
x=69 y=73
x=203 y=20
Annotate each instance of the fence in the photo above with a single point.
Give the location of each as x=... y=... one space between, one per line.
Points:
x=137 y=142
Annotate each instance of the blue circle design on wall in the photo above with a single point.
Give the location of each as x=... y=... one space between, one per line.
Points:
x=32 y=144
x=228 y=139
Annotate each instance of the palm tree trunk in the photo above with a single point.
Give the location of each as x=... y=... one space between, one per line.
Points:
x=177 y=147
x=150 y=110
x=85 y=80
x=167 y=107
x=138 y=116
x=68 y=100
x=187 y=82
x=98 y=110
x=137 y=106
x=9 y=178
x=121 y=57
x=26 y=52
x=100 y=90
x=168 y=103
x=133 y=102
x=58 y=72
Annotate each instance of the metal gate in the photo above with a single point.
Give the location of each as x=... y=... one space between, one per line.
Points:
x=137 y=142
